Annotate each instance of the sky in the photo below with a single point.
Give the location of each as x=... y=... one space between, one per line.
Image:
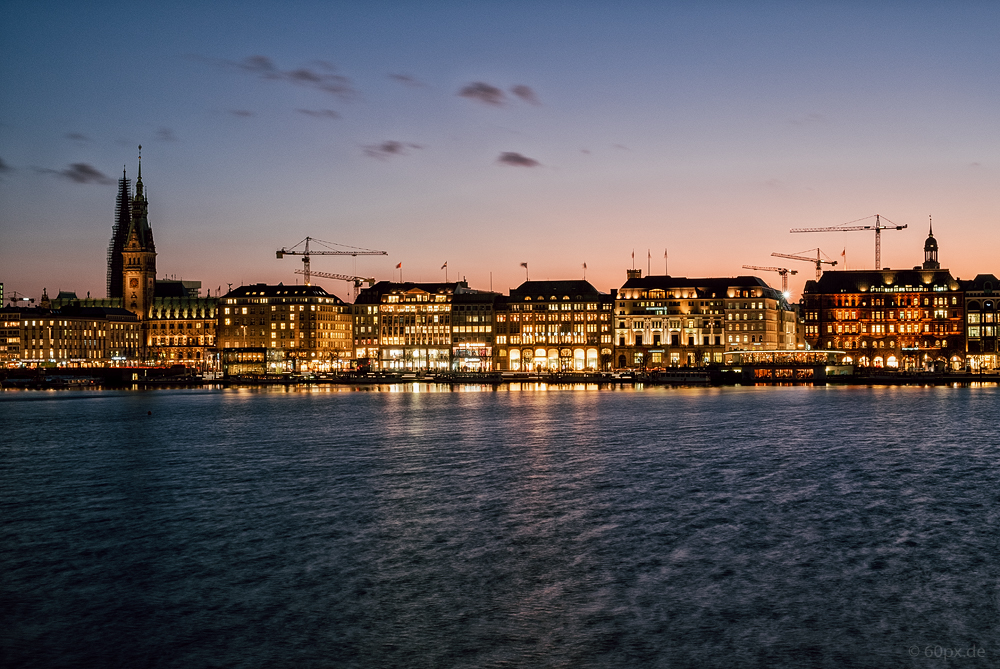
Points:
x=489 y=134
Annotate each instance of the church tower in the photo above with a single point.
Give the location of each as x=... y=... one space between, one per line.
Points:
x=123 y=219
x=931 y=250
x=139 y=255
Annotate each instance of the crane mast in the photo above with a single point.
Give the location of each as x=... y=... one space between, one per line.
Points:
x=818 y=260
x=307 y=252
x=847 y=227
x=357 y=280
x=783 y=271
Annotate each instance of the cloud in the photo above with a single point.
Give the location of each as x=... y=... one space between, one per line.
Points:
x=516 y=159
x=483 y=92
x=166 y=135
x=407 y=80
x=388 y=149
x=4 y=167
x=81 y=173
x=319 y=113
x=76 y=137
x=322 y=76
x=525 y=93
x=243 y=113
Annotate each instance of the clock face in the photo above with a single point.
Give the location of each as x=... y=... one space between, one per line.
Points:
x=133 y=283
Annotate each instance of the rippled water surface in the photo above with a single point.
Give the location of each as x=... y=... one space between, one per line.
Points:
x=524 y=527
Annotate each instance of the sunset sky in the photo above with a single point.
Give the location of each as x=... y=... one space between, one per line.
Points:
x=486 y=134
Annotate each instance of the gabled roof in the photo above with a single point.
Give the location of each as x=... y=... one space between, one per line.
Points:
x=555 y=290
x=705 y=288
x=280 y=290
x=860 y=281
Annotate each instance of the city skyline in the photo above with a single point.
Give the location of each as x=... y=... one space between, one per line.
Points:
x=494 y=135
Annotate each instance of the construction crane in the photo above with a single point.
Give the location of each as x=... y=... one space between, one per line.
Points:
x=784 y=272
x=358 y=280
x=847 y=227
x=818 y=260
x=307 y=252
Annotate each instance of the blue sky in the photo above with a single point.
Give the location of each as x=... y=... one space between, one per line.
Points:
x=586 y=130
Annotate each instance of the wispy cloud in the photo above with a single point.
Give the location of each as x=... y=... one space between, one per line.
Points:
x=76 y=137
x=517 y=160
x=321 y=75
x=242 y=113
x=4 y=167
x=166 y=135
x=525 y=93
x=407 y=80
x=389 y=149
x=484 y=93
x=81 y=173
x=319 y=113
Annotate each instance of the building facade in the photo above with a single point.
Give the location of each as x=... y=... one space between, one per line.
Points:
x=72 y=336
x=554 y=326
x=982 y=322
x=414 y=324
x=665 y=321
x=912 y=320
x=290 y=328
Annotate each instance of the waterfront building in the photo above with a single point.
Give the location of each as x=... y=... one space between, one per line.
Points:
x=72 y=336
x=982 y=321
x=180 y=330
x=664 y=321
x=413 y=323
x=554 y=326
x=290 y=328
x=10 y=335
x=178 y=324
x=365 y=327
x=473 y=327
x=897 y=319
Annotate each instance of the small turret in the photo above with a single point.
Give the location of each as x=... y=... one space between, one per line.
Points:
x=931 y=249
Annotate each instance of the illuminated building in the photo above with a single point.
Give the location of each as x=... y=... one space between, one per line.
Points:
x=366 y=332
x=898 y=319
x=285 y=328
x=665 y=321
x=982 y=321
x=180 y=329
x=554 y=326
x=72 y=336
x=472 y=330
x=10 y=334
x=413 y=323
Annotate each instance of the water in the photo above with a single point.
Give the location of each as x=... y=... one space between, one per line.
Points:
x=525 y=527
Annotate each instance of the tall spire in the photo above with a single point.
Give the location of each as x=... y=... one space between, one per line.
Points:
x=119 y=234
x=930 y=223
x=138 y=179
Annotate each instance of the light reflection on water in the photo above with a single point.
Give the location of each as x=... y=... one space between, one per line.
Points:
x=520 y=526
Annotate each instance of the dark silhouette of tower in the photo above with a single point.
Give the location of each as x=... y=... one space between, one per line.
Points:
x=931 y=250
x=123 y=220
x=139 y=255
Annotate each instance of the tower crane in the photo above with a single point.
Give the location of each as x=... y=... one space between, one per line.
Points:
x=358 y=280
x=818 y=260
x=847 y=227
x=307 y=252
x=784 y=272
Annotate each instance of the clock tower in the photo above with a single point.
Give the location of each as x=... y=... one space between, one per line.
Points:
x=139 y=256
